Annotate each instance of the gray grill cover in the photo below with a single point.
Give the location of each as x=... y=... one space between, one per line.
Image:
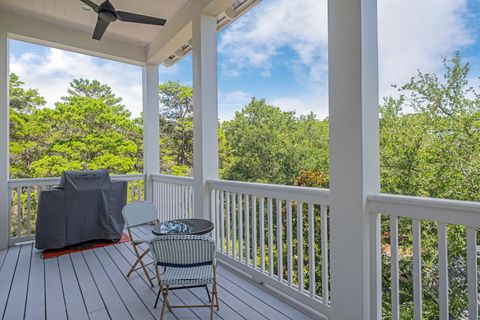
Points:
x=87 y=206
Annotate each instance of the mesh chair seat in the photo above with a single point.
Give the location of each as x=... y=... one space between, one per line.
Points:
x=196 y=276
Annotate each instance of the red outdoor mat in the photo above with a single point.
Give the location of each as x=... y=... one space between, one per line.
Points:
x=47 y=254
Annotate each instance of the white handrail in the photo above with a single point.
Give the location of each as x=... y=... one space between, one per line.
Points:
x=442 y=210
x=292 y=193
x=172 y=179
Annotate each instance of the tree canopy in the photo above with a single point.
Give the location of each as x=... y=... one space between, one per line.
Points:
x=85 y=131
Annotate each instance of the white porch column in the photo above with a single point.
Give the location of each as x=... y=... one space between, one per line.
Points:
x=4 y=137
x=354 y=151
x=151 y=127
x=205 y=111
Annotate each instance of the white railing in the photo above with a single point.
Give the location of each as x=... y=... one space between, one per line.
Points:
x=24 y=198
x=445 y=219
x=279 y=235
x=173 y=196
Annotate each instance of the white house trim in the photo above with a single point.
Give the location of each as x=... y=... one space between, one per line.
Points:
x=205 y=111
x=354 y=151
x=151 y=127
x=4 y=140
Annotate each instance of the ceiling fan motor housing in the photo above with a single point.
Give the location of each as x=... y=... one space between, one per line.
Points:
x=106 y=12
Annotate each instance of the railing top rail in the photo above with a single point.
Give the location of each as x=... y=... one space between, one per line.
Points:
x=441 y=210
x=293 y=193
x=172 y=179
x=31 y=182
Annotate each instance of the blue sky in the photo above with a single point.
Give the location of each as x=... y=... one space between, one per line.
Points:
x=277 y=51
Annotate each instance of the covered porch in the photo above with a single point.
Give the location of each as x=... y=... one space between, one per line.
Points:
x=284 y=252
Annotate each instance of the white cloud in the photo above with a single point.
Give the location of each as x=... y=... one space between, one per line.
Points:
x=304 y=104
x=52 y=72
x=229 y=102
x=257 y=37
x=416 y=35
x=412 y=35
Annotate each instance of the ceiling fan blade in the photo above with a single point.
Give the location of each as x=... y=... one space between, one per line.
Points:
x=91 y=4
x=100 y=29
x=138 y=18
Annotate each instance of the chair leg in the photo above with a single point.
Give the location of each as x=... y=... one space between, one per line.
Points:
x=139 y=260
x=133 y=267
x=212 y=301
x=146 y=273
x=168 y=303
x=165 y=302
x=216 y=298
x=214 y=287
x=208 y=293
x=158 y=297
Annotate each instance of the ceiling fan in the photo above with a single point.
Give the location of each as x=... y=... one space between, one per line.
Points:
x=107 y=14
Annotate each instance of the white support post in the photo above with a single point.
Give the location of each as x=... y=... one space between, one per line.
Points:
x=151 y=127
x=4 y=138
x=354 y=151
x=205 y=111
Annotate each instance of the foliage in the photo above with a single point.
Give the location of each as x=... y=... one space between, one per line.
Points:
x=91 y=89
x=23 y=100
x=176 y=128
x=432 y=150
x=266 y=144
x=83 y=132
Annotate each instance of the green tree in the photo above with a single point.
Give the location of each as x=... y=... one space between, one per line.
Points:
x=89 y=130
x=176 y=127
x=27 y=133
x=87 y=133
x=433 y=150
x=91 y=89
x=430 y=142
x=272 y=146
x=23 y=100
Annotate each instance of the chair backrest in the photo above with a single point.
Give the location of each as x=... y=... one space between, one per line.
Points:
x=140 y=212
x=183 y=250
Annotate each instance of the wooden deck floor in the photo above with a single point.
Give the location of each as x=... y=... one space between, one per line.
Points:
x=92 y=285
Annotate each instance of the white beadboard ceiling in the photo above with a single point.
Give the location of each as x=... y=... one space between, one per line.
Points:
x=70 y=13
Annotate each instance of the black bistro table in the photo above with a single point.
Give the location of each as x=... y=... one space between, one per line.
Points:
x=183 y=226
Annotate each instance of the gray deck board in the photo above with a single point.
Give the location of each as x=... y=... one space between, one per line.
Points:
x=6 y=276
x=35 y=308
x=55 y=303
x=236 y=282
x=73 y=295
x=113 y=301
x=18 y=293
x=129 y=297
x=91 y=296
x=93 y=285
